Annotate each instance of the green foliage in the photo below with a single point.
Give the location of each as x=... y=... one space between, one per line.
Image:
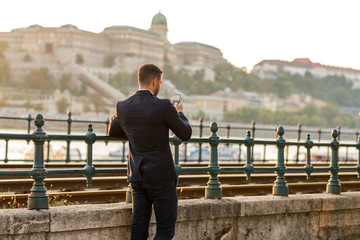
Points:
x=122 y=79
x=79 y=59
x=62 y=105
x=64 y=81
x=38 y=107
x=40 y=79
x=333 y=89
x=27 y=58
x=86 y=107
x=28 y=104
x=11 y=204
x=83 y=89
x=189 y=83
x=2 y=101
x=4 y=70
x=109 y=60
x=329 y=116
x=98 y=102
x=3 y=45
x=310 y=109
x=329 y=111
x=227 y=75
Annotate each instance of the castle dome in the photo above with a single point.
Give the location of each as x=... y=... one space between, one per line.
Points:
x=159 y=18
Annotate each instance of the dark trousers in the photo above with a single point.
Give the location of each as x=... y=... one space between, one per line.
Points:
x=163 y=196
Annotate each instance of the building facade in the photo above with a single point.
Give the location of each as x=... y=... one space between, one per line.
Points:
x=268 y=69
x=131 y=46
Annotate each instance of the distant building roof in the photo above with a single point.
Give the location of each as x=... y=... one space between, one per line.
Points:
x=132 y=29
x=159 y=18
x=36 y=26
x=304 y=63
x=196 y=44
x=69 y=26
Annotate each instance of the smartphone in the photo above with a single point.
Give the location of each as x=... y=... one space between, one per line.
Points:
x=176 y=98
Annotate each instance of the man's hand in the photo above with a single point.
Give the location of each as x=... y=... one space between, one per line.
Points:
x=179 y=107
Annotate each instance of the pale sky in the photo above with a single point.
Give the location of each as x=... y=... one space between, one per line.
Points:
x=246 y=32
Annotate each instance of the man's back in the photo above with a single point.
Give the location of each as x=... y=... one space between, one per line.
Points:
x=146 y=121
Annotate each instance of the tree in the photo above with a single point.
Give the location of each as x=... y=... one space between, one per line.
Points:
x=97 y=101
x=61 y=105
x=3 y=45
x=86 y=107
x=2 y=101
x=329 y=111
x=79 y=59
x=4 y=71
x=310 y=109
x=38 y=107
x=122 y=79
x=64 y=81
x=83 y=89
x=27 y=58
x=28 y=104
x=40 y=79
x=109 y=60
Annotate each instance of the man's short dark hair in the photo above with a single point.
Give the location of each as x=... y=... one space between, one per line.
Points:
x=147 y=72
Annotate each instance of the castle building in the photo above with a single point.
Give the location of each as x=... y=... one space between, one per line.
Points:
x=268 y=69
x=132 y=46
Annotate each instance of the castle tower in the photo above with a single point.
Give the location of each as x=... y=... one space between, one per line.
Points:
x=159 y=25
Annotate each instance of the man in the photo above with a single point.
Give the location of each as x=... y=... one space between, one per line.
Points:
x=145 y=120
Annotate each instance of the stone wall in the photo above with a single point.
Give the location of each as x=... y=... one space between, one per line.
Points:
x=315 y=216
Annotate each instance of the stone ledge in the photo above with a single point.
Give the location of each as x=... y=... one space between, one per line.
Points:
x=307 y=216
x=20 y=221
x=269 y=205
x=199 y=209
x=89 y=216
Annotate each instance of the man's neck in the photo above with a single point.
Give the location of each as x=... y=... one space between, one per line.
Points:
x=145 y=89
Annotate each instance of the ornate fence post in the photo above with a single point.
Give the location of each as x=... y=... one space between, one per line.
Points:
x=200 y=135
x=177 y=143
x=280 y=188
x=308 y=167
x=38 y=198
x=48 y=152
x=123 y=151
x=107 y=130
x=69 y=120
x=129 y=194
x=29 y=119
x=333 y=185
x=249 y=168
x=358 y=166
x=338 y=127
x=228 y=130
x=298 y=139
x=89 y=168
x=185 y=152
x=253 y=136
x=228 y=133
x=213 y=188
x=6 y=150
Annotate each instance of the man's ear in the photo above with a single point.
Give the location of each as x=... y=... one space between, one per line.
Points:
x=155 y=81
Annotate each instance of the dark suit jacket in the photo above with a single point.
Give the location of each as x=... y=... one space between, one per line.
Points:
x=145 y=120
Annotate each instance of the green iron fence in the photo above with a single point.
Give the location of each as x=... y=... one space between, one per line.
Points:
x=38 y=198
x=298 y=131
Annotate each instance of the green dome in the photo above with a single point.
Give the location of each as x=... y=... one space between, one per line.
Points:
x=159 y=19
